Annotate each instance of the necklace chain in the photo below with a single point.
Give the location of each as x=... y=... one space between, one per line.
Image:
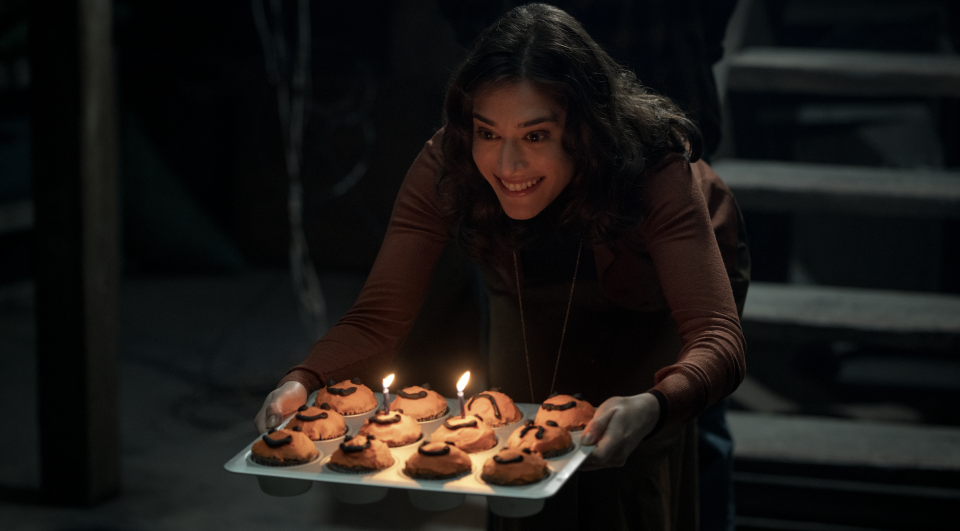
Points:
x=563 y=332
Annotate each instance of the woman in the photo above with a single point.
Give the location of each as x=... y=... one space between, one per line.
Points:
x=580 y=196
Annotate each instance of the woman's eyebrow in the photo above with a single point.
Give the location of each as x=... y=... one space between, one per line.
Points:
x=528 y=123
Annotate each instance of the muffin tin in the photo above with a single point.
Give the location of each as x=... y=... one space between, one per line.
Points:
x=436 y=495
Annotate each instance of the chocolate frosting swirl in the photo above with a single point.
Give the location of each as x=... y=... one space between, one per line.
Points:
x=341 y=391
x=412 y=396
x=503 y=461
x=442 y=451
x=528 y=427
x=352 y=449
x=493 y=401
x=305 y=418
x=325 y=406
x=392 y=420
x=277 y=443
x=563 y=407
x=471 y=424
x=302 y=408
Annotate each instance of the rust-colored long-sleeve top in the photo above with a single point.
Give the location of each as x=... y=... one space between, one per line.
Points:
x=671 y=262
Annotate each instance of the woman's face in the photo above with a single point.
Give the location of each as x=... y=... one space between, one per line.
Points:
x=517 y=146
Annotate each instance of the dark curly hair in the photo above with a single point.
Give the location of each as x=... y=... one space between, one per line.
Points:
x=615 y=128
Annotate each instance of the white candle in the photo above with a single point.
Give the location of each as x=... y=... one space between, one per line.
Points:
x=386 y=393
x=461 y=385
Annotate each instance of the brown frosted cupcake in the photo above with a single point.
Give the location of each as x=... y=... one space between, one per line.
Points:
x=394 y=428
x=319 y=423
x=470 y=434
x=420 y=402
x=513 y=468
x=347 y=397
x=360 y=454
x=568 y=411
x=437 y=460
x=286 y=447
x=547 y=439
x=494 y=407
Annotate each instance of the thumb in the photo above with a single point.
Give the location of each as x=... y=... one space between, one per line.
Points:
x=596 y=427
x=274 y=413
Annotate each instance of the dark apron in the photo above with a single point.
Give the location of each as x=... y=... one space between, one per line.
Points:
x=607 y=351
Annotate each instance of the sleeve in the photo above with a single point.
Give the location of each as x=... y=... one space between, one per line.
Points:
x=679 y=236
x=375 y=327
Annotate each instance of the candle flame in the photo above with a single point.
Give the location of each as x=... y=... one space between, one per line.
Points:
x=462 y=384
x=387 y=381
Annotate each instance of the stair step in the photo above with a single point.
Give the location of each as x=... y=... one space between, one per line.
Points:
x=856 y=445
x=801 y=187
x=844 y=72
x=16 y=216
x=884 y=475
x=791 y=312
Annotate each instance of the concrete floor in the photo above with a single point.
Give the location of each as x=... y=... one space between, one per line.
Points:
x=197 y=357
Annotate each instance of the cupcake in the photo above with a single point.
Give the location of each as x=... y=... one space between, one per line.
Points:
x=568 y=411
x=420 y=402
x=319 y=423
x=347 y=397
x=286 y=447
x=494 y=407
x=512 y=467
x=361 y=454
x=469 y=434
x=548 y=439
x=437 y=460
x=394 y=428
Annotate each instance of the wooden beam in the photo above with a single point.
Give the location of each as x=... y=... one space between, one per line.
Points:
x=75 y=262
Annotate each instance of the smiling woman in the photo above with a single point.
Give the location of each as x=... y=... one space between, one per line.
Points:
x=518 y=147
x=608 y=251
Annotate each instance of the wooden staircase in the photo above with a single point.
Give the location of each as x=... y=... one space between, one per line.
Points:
x=802 y=472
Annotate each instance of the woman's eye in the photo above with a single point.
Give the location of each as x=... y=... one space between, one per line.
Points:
x=536 y=136
x=484 y=135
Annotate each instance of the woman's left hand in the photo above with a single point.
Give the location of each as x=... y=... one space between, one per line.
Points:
x=617 y=428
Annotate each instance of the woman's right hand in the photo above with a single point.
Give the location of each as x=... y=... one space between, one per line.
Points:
x=281 y=401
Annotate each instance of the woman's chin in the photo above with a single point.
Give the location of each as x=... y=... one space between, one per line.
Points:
x=520 y=214
x=521 y=210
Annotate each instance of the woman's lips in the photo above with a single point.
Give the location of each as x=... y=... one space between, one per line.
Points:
x=519 y=188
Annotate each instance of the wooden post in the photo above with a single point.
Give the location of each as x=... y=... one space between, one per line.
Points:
x=75 y=251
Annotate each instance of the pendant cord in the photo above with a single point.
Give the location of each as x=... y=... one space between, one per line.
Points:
x=523 y=328
x=563 y=332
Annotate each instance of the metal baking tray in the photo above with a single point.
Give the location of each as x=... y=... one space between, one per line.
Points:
x=436 y=495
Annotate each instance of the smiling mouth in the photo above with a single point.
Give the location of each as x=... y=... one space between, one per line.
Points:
x=519 y=187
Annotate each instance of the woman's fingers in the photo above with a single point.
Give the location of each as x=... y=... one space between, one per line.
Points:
x=602 y=431
x=278 y=403
x=595 y=429
x=618 y=426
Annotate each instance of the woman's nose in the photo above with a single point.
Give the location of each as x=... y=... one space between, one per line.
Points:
x=511 y=159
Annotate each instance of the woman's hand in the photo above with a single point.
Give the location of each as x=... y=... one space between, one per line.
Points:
x=617 y=428
x=281 y=401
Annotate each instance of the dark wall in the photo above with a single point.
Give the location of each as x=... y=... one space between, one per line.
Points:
x=192 y=78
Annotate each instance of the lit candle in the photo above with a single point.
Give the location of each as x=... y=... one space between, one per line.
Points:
x=386 y=393
x=461 y=385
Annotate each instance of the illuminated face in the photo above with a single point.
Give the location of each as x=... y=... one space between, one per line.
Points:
x=517 y=146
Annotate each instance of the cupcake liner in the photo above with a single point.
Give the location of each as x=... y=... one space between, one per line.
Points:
x=251 y=460
x=327 y=465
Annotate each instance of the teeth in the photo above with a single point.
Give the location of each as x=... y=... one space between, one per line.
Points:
x=521 y=186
